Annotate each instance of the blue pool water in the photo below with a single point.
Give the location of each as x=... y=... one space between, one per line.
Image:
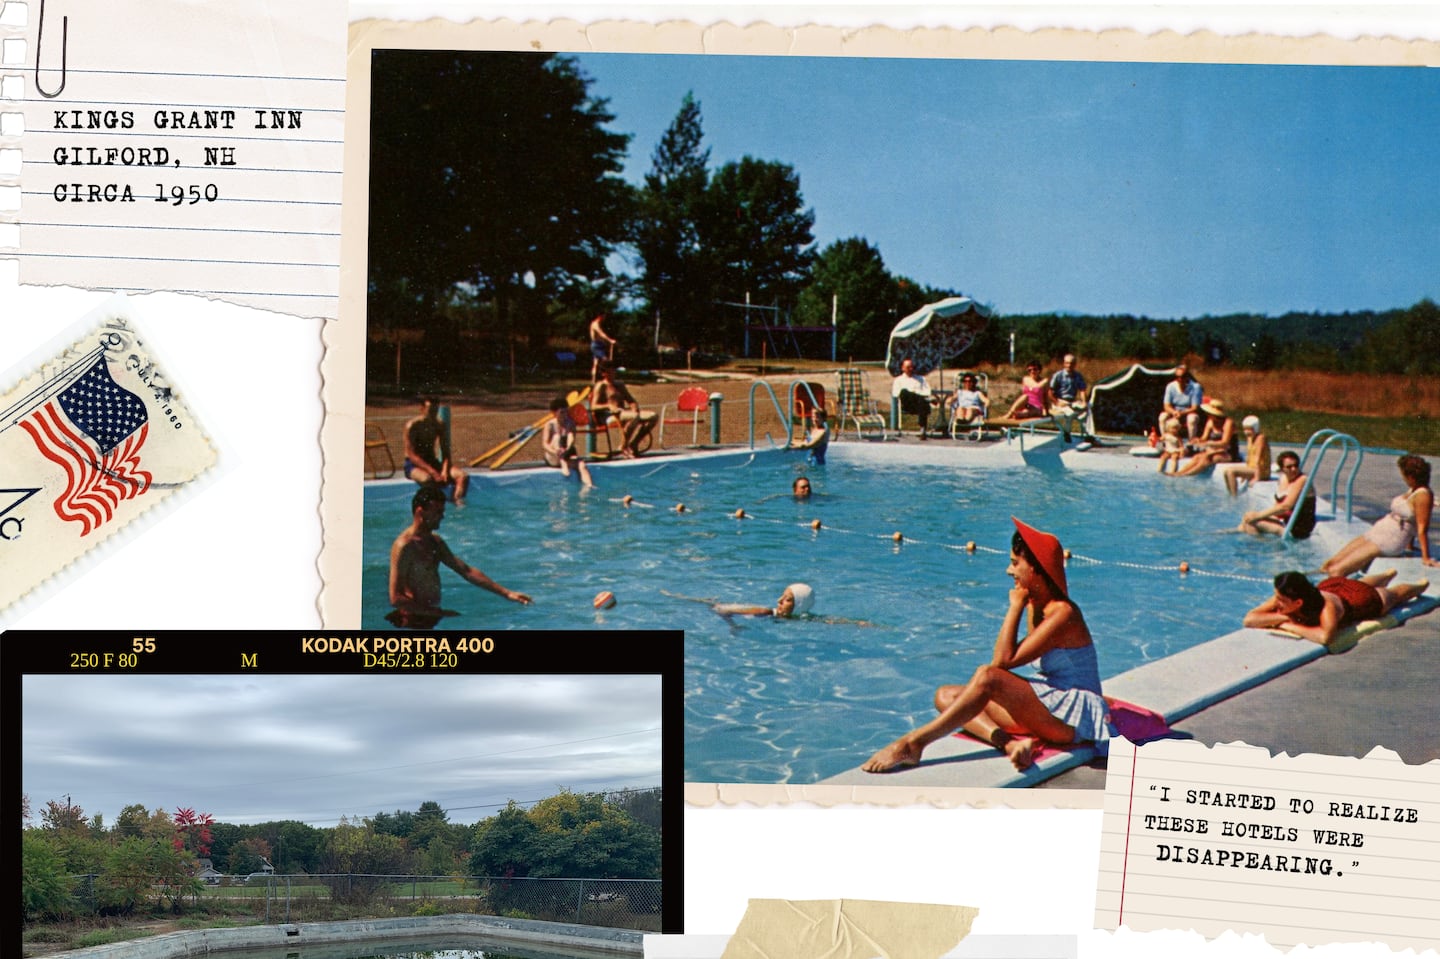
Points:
x=796 y=701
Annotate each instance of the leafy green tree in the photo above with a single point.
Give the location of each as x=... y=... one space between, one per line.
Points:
x=582 y=836
x=131 y=821
x=298 y=846
x=677 y=268
x=249 y=855
x=1408 y=342
x=492 y=170
x=66 y=818
x=126 y=877
x=399 y=823
x=757 y=227
x=437 y=857
x=45 y=889
x=852 y=272
x=430 y=822
x=642 y=805
x=505 y=844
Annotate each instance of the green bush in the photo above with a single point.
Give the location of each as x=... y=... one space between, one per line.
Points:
x=428 y=909
x=101 y=937
x=45 y=889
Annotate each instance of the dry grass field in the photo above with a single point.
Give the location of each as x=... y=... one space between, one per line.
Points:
x=1390 y=412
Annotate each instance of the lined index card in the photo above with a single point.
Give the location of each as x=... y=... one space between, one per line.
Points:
x=1308 y=849
x=192 y=146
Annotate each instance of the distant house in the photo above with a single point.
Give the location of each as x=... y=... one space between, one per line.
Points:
x=208 y=873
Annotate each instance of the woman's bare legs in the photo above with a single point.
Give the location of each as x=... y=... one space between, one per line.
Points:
x=1233 y=475
x=1016 y=706
x=1353 y=556
x=1397 y=595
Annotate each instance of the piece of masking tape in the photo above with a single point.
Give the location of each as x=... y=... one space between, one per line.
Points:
x=848 y=929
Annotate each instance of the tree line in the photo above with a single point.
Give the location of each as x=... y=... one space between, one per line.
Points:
x=152 y=857
x=498 y=214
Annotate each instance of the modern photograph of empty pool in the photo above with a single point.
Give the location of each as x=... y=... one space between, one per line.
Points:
x=965 y=414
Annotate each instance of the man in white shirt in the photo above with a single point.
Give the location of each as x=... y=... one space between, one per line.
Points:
x=913 y=392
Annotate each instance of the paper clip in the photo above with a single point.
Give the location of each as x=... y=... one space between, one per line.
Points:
x=64 y=43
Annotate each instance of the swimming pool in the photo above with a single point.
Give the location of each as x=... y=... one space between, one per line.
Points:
x=796 y=701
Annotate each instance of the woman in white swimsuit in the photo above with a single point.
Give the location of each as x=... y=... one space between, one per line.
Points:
x=1408 y=519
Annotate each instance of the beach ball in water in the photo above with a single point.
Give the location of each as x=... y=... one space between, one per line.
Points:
x=604 y=600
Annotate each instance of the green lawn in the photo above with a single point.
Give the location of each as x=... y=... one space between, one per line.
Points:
x=1411 y=434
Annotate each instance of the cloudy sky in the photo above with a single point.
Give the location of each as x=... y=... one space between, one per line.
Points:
x=314 y=748
x=1168 y=190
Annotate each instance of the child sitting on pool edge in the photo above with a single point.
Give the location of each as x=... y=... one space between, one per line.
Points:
x=1172 y=446
x=558 y=442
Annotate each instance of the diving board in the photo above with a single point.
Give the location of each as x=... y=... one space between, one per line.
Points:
x=1175 y=687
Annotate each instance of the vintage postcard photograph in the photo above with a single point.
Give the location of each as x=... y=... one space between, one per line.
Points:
x=966 y=413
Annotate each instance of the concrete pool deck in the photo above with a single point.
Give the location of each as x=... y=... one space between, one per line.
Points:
x=1327 y=705
x=528 y=937
x=1254 y=687
x=1378 y=693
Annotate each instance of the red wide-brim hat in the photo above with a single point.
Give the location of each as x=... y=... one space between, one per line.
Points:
x=1047 y=552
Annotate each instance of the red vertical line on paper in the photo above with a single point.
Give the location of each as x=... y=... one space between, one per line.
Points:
x=1129 y=813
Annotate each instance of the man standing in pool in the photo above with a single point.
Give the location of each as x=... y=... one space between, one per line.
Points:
x=1062 y=705
x=415 y=559
x=427 y=452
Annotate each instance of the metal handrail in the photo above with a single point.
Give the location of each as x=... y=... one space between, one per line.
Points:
x=784 y=416
x=1327 y=438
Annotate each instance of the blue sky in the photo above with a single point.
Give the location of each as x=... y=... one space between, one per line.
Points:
x=315 y=748
x=1167 y=190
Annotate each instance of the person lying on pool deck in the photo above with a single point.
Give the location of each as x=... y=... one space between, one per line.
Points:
x=1062 y=705
x=1317 y=613
x=415 y=560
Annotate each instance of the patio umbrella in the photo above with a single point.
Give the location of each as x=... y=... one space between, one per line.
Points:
x=934 y=333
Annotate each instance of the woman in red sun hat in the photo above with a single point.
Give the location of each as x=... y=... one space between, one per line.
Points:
x=1061 y=705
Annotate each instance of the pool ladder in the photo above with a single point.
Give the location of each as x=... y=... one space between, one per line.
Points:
x=1325 y=439
x=785 y=416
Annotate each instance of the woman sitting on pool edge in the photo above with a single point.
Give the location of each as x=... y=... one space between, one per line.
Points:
x=1063 y=705
x=1287 y=501
x=1317 y=613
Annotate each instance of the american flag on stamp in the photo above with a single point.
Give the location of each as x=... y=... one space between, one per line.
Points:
x=94 y=429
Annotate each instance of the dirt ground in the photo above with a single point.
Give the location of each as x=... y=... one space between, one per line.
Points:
x=477 y=425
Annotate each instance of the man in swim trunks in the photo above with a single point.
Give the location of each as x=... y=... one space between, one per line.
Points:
x=427 y=452
x=602 y=347
x=1317 y=613
x=614 y=399
x=415 y=559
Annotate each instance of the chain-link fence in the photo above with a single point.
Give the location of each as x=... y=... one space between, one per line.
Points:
x=619 y=903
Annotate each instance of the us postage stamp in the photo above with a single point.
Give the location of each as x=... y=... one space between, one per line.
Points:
x=90 y=439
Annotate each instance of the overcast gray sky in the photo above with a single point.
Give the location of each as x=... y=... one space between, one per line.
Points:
x=313 y=748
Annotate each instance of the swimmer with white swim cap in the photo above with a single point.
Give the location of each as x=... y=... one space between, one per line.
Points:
x=795 y=601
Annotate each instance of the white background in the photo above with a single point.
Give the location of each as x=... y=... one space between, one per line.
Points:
x=240 y=552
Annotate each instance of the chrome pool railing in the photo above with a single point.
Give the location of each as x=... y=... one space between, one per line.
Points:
x=784 y=415
x=1327 y=438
